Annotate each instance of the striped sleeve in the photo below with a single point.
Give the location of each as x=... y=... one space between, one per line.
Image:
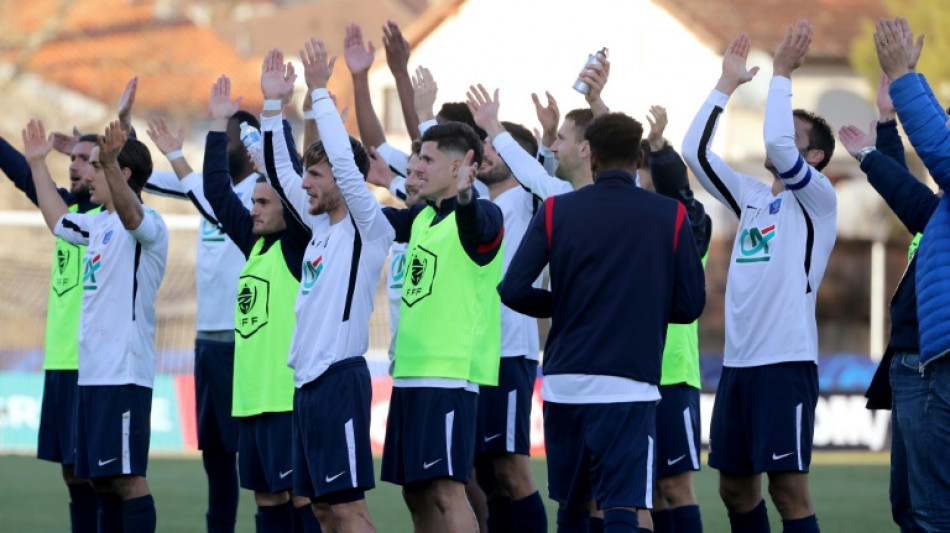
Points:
x=74 y=228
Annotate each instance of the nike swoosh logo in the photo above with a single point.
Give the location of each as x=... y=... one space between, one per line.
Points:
x=493 y=437
x=426 y=466
x=671 y=462
x=784 y=455
x=331 y=479
x=104 y=463
x=285 y=474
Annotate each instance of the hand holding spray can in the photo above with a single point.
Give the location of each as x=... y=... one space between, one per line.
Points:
x=579 y=85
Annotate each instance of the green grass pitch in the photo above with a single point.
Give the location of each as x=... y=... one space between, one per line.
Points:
x=849 y=491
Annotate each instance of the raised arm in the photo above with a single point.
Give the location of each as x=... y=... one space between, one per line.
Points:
x=689 y=281
x=717 y=177
x=809 y=186
x=549 y=116
x=397 y=56
x=360 y=202
x=517 y=286
x=596 y=76
x=670 y=178
x=359 y=58
x=36 y=146
x=127 y=204
x=526 y=169
x=232 y=217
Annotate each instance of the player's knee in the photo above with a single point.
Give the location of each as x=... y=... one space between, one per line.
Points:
x=324 y=514
x=270 y=499
x=415 y=497
x=791 y=500
x=738 y=497
x=445 y=494
x=351 y=512
x=677 y=490
x=513 y=473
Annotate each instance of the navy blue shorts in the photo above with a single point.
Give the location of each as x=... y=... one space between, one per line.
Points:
x=57 y=439
x=214 y=383
x=265 y=458
x=677 y=430
x=332 y=455
x=764 y=419
x=114 y=430
x=603 y=451
x=504 y=411
x=430 y=434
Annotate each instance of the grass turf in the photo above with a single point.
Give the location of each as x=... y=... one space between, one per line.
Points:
x=849 y=491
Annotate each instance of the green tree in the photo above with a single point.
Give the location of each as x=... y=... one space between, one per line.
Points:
x=925 y=16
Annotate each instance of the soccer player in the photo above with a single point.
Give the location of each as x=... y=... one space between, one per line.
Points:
x=763 y=420
x=57 y=433
x=503 y=439
x=127 y=246
x=342 y=265
x=613 y=295
x=677 y=415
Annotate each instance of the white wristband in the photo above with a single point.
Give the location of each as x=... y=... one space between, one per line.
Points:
x=174 y=155
x=273 y=105
x=319 y=94
x=308 y=115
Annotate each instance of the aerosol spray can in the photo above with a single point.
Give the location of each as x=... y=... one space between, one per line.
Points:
x=579 y=85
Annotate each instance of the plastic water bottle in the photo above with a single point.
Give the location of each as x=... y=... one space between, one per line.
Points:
x=579 y=85
x=254 y=143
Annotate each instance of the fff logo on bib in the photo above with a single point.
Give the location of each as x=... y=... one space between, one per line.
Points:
x=252 y=305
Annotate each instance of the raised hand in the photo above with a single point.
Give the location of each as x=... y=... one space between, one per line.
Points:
x=220 y=105
x=316 y=69
x=466 y=177
x=111 y=144
x=791 y=52
x=896 y=48
x=854 y=140
x=484 y=109
x=658 y=121
x=277 y=78
x=379 y=173
x=163 y=138
x=885 y=106
x=595 y=76
x=359 y=57
x=64 y=142
x=734 y=69
x=424 y=91
x=126 y=101
x=549 y=116
x=397 y=49
x=36 y=145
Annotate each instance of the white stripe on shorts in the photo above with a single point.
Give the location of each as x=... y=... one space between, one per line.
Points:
x=126 y=425
x=351 y=449
x=690 y=439
x=512 y=416
x=649 y=487
x=798 y=434
x=449 y=422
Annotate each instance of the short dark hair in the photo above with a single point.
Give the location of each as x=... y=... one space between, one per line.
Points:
x=136 y=157
x=821 y=136
x=614 y=139
x=416 y=147
x=316 y=154
x=243 y=116
x=459 y=112
x=581 y=117
x=261 y=179
x=457 y=137
x=522 y=136
x=88 y=138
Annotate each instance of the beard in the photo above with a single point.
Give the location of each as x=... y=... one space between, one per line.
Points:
x=80 y=192
x=493 y=174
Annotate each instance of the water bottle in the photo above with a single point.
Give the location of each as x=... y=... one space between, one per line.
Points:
x=579 y=85
x=254 y=143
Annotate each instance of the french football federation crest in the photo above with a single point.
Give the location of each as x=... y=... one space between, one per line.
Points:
x=253 y=304
x=66 y=274
x=421 y=267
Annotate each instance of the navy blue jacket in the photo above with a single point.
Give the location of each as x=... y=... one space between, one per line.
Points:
x=913 y=203
x=235 y=219
x=16 y=167
x=671 y=179
x=624 y=264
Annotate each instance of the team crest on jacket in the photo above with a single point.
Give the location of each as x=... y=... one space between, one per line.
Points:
x=418 y=276
x=252 y=302
x=66 y=276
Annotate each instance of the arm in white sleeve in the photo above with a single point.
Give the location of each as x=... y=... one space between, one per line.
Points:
x=398 y=161
x=527 y=170
x=194 y=189
x=74 y=228
x=717 y=177
x=289 y=182
x=360 y=202
x=152 y=231
x=423 y=126
x=548 y=159
x=165 y=183
x=808 y=185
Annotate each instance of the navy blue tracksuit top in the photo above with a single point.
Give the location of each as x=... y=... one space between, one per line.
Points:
x=623 y=266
